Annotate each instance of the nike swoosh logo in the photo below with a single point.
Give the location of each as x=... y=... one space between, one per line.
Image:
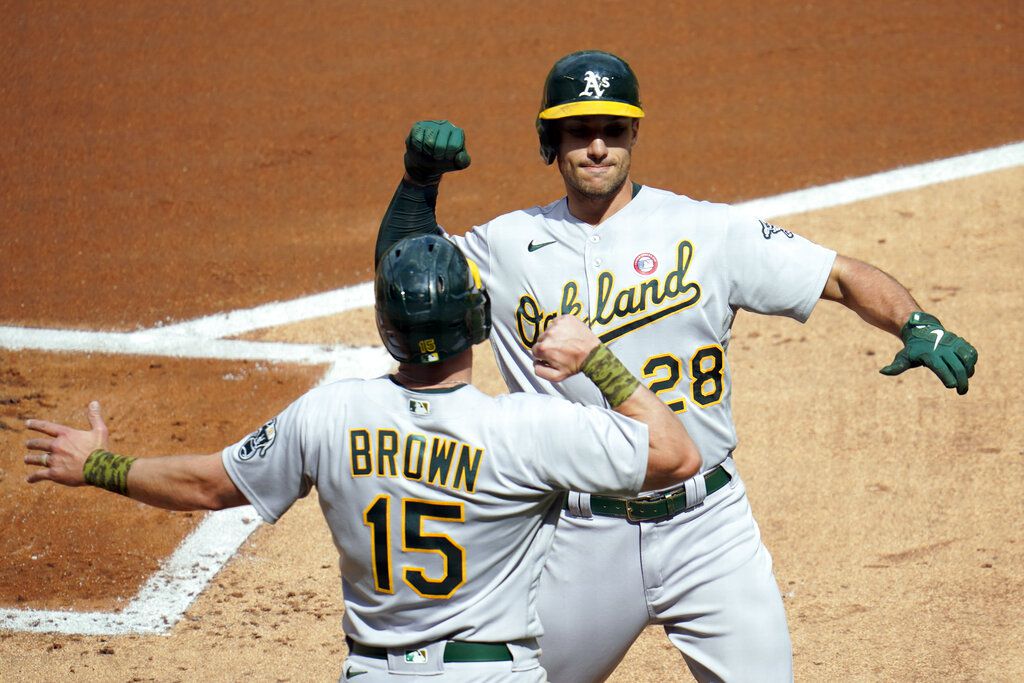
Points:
x=534 y=247
x=938 y=337
x=352 y=674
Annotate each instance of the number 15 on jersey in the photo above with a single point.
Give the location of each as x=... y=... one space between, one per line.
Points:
x=377 y=516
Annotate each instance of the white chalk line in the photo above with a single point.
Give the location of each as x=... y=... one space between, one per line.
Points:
x=165 y=597
x=152 y=343
x=273 y=314
x=889 y=182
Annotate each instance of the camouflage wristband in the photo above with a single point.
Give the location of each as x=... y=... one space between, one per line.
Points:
x=108 y=471
x=608 y=373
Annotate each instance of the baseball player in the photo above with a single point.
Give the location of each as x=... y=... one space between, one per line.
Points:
x=440 y=499
x=660 y=278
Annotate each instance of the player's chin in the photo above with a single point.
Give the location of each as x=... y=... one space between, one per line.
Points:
x=598 y=187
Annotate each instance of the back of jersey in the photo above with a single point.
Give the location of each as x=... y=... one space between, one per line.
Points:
x=442 y=503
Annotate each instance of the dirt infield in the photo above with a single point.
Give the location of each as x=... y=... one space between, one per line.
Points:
x=85 y=550
x=168 y=162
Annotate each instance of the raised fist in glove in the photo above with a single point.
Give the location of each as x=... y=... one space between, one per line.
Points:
x=434 y=148
x=926 y=342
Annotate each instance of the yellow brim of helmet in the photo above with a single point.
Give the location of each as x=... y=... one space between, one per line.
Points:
x=592 y=108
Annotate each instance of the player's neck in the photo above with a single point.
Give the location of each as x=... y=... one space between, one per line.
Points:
x=595 y=211
x=449 y=373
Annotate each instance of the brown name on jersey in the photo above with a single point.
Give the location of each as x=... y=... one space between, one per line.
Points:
x=434 y=460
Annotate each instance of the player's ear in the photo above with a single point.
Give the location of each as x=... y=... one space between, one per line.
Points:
x=636 y=132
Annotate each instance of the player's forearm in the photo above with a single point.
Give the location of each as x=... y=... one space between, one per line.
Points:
x=174 y=482
x=411 y=212
x=672 y=455
x=871 y=293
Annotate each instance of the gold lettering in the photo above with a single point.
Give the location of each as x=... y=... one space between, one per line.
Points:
x=359 y=452
x=624 y=303
x=570 y=306
x=675 y=282
x=528 y=317
x=467 y=469
x=605 y=283
x=648 y=294
x=532 y=320
x=412 y=464
x=649 y=289
x=387 y=448
x=441 y=453
x=445 y=462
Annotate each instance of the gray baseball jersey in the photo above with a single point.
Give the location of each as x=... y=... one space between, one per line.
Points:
x=660 y=282
x=441 y=504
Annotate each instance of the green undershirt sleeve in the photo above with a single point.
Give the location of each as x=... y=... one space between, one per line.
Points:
x=411 y=212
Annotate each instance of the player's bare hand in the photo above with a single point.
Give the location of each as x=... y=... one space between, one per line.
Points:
x=432 y=149
x=62 y=453
x=562 y=347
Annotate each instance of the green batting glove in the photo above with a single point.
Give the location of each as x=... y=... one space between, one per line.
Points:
x=926 y=342
x=434 y=148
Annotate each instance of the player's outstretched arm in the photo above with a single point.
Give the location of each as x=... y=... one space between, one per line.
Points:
x=75 y=457
x=432 y=149
x=568 y=346
x=882 y=301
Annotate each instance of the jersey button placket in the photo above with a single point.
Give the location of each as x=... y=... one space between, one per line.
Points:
x=591 y=262
x=596 y=260
x=592 y=258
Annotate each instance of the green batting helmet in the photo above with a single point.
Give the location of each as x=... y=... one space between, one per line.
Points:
x=584 y=84
x=430 y=302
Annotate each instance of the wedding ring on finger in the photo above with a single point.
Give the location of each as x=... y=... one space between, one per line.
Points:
x=46 y=460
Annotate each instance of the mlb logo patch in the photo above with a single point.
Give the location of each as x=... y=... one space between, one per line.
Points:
x=416 y=657
x=645 y=263
x=418 y=407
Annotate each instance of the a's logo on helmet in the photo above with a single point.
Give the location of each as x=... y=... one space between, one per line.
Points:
x=645 y=263
x=596 y=85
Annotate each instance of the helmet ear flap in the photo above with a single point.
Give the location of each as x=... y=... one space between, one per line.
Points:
x=478 y=319
x=548 y=134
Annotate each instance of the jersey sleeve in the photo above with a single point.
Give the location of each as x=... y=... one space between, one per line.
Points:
x=270 y=466
x=411 y=212
x=585 y=448
x=473 y=246
x=773 y=270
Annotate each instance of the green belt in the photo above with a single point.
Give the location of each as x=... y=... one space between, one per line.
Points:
x=455 y=651
x=658 y=507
